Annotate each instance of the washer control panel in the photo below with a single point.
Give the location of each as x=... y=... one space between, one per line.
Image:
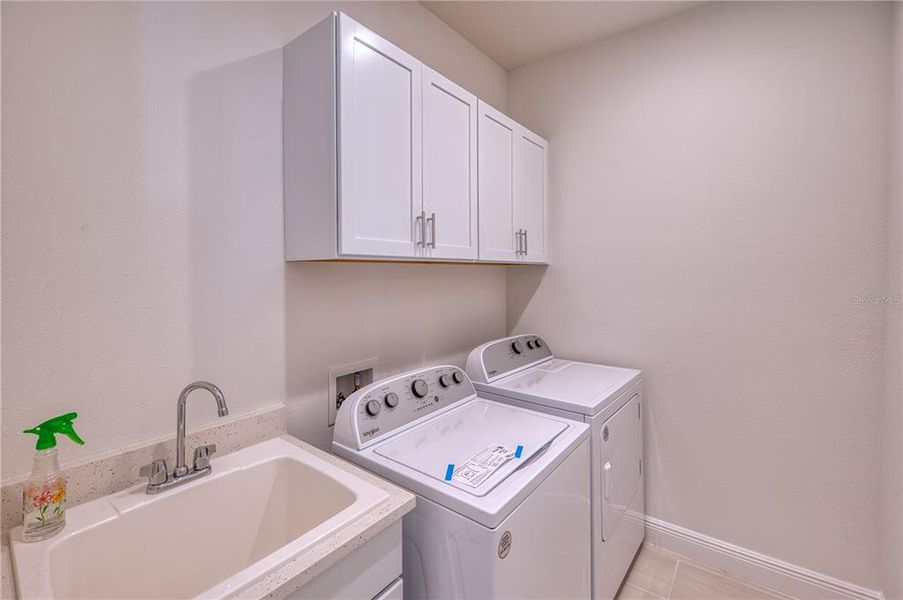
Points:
x=385 y=406
x=503 y=356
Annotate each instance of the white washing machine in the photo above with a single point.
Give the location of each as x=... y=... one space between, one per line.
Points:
x=522 y=370
x=503 y=501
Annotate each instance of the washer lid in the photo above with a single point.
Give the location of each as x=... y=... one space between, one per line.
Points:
x=579 y=387
x=473 y=448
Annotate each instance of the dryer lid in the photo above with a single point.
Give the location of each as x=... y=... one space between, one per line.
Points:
x=579 y=387
x=476 y=447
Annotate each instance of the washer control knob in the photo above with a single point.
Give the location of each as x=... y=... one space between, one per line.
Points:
x=458 y=376
x=517 y=347
x=391 y=399
x=538 y=342
x=445 y=380
x=530 y=344
x=373 y=408
x=419 y=388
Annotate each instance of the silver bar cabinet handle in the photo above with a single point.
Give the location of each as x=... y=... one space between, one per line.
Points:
x=526 y=246
x=432 y=221
x=419 y=224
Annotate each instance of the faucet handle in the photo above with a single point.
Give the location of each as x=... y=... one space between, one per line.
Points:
x=202 y=456
x=155 y=472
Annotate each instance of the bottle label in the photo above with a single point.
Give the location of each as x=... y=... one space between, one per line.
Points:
x=44 y=503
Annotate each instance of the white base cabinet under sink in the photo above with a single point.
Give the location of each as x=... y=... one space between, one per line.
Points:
x=372 y=571
x=384 y=159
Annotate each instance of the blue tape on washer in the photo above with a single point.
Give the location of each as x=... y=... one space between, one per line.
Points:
x=518 y=451
x=449 y=471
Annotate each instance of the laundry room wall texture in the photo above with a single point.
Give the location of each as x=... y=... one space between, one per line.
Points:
x=719 y=195
x=142 y=224
x=892 y=472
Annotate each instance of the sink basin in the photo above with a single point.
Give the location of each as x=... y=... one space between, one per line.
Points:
x=214 y=537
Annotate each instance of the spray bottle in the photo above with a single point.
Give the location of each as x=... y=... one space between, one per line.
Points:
x=44 y=497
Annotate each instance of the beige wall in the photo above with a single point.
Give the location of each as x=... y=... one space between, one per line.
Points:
x=718 y=185
x=892 y=524
x=142 y=224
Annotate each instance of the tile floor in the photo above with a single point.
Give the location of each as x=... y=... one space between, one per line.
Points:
x=657 y=574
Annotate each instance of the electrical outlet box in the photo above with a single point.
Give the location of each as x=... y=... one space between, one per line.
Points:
x=342 y=383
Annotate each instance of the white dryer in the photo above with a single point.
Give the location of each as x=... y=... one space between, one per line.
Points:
x=503 y=501
x=521 y=370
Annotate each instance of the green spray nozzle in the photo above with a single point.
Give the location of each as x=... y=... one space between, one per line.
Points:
x=47 y=431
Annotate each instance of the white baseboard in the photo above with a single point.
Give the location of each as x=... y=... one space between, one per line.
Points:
x=764 y=570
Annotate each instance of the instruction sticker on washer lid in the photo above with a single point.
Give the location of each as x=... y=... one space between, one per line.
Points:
x=483 y=464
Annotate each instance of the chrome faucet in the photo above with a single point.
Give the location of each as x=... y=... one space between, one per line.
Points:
x=158 y=478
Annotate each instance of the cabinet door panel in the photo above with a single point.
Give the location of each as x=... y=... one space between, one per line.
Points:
x=496 y=160
x=379 y=144
x=449 y=167
x=531 y=194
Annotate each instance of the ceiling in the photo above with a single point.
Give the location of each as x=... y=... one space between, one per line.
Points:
x=517 y=32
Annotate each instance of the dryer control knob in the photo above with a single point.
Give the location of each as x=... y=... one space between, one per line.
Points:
x=391 y=399
x=373 y=408
x=517 y=347
x=530 y=344
x=419 y=388
x=445 y=380
x=538 y=342
x=458 y=376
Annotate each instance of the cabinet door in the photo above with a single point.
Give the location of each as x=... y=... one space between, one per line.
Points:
x=449 y=168
x=531 y=195
x=496 y=190
x=379 y=145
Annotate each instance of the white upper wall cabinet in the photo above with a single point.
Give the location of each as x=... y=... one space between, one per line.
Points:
x=449 y=168
x=514 y=192
x=531 y=195
x=496 y=155
x=379 y=144
x=386 y=159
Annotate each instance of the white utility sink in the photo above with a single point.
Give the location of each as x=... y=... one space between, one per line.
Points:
x=214 y=537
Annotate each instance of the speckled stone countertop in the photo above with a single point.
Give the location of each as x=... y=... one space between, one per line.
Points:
x=303 y=568
x=7 y=587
